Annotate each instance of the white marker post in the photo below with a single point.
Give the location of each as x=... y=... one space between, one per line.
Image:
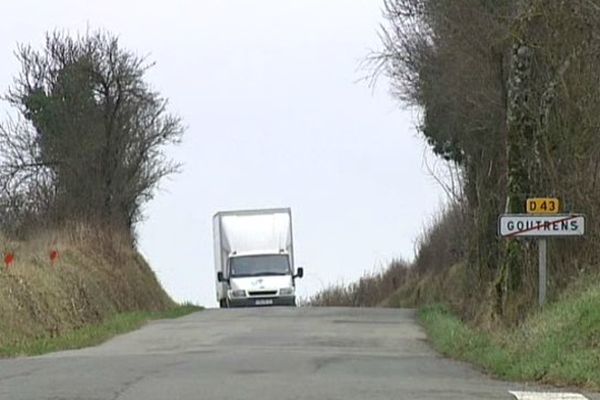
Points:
x=542 y=227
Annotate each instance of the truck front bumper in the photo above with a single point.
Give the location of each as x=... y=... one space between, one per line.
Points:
x=289 y=301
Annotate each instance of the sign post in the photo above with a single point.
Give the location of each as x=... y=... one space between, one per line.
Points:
x=541 y=222
x=543 y=259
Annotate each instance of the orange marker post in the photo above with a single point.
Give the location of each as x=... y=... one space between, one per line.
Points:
x=9 y=259
x=54 y=256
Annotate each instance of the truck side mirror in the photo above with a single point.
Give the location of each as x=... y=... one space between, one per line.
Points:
x=300 y=272
x=220 y=277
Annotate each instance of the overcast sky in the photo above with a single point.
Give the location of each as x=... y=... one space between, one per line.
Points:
x=277 y=116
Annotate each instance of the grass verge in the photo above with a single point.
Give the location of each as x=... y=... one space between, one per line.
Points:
x=559 y=345
x=92 y=334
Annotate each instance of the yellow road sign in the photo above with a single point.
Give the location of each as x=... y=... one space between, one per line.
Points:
x=543 y=206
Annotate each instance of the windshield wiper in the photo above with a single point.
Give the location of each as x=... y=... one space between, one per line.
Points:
x=273 y=273
x=260 y=274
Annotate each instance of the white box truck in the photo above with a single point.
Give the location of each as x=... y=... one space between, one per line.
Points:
x=254 y=258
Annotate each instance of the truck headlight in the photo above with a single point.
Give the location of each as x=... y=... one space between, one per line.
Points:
x=286 y=291
x=237 y=293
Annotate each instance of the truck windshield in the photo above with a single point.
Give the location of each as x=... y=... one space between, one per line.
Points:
x=274 y=264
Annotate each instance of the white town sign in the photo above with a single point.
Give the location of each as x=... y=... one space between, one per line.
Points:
x=528 y=225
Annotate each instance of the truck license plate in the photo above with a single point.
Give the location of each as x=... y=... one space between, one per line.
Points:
x=264 y=302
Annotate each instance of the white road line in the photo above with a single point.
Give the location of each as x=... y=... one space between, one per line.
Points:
x=547 y=396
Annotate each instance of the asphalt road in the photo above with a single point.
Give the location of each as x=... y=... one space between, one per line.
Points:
x=270 y=353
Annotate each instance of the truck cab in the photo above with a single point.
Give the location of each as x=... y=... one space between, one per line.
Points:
x=260 y=280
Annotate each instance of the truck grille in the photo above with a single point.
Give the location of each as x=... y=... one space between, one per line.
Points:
x=263 y=293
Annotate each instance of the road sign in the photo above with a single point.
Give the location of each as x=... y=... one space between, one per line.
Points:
x=543 y=206
x=536 y=224
x=525 y=225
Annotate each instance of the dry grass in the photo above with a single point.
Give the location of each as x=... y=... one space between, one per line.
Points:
x=369 y=291
x=447 y=286
x=98 y=275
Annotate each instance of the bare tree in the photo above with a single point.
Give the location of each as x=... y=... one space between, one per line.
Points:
x=92 y=132
x=450 y=59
